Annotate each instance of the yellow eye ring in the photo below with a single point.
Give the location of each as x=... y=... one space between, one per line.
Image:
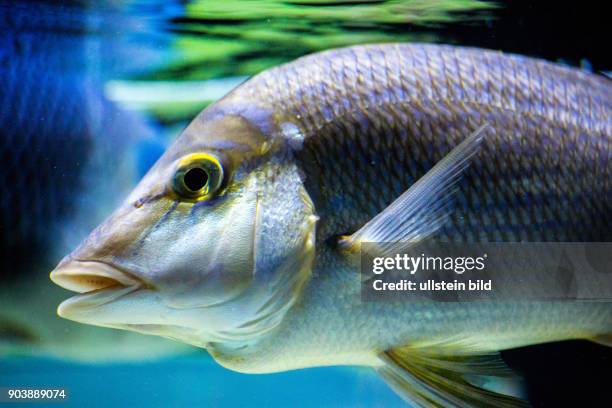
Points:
x=198 y=176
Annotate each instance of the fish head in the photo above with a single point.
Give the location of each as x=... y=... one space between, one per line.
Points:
x=213 y=245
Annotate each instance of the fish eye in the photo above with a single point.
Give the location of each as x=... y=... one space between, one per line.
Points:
x=195 y=179
x=198 y=176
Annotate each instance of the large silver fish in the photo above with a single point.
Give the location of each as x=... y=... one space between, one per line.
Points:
x=241 y=238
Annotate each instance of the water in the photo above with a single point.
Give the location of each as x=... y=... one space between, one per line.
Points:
x=190 y=382
x=90 y=95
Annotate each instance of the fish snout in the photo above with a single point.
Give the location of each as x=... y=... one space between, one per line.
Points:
x=97 y=263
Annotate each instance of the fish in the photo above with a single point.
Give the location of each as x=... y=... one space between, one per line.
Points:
x=242 y=238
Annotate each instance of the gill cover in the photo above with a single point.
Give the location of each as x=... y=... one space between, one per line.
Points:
x=237 y=248
x=257 y=249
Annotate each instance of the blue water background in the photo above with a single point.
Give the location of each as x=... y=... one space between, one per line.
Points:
x=197 y=381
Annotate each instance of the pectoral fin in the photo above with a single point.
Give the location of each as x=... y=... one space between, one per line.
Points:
x=427 y=379
x=421 y=209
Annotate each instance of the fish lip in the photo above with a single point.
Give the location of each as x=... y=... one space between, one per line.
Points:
x=79 y=307
x=97 y=283
x=88 y=276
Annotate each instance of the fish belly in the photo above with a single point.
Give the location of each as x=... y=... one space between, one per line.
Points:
x=331 y=325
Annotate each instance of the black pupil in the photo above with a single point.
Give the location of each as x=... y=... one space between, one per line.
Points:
x=195 y=179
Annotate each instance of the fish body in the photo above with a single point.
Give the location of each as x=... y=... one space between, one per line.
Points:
x=251 y=261
x=375 y=119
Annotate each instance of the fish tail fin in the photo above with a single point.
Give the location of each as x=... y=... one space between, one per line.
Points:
x=426 y=379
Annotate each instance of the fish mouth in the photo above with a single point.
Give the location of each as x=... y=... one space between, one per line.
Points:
x=97 y=283
x=88 y=276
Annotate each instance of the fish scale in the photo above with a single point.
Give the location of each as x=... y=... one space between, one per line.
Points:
x=411 y=104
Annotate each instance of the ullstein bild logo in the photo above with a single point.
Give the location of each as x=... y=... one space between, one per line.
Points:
x=487 y=271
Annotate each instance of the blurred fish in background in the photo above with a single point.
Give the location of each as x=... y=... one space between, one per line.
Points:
x=68 y=156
